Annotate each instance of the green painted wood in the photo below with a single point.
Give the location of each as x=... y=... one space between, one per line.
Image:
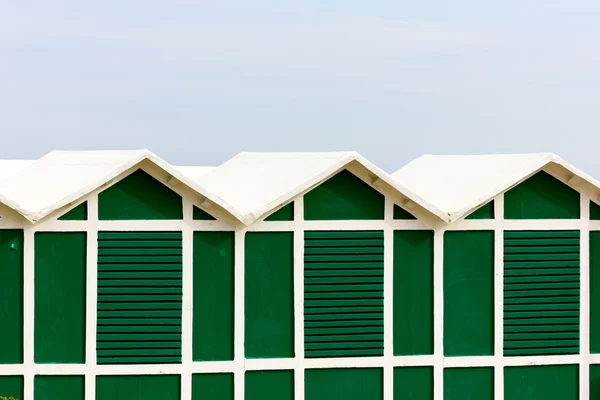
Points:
x=213 y=313
x=11 y=296
x=11 y=386
x=413 y=292
x=413 y=383
x=343 y=384
x=594 y=211
x=60 y=286
x=401 y=213
x=269 y=385
x=343 y=197
x=541 y=197
x=351 y=271
x=540 y=283
x=484 y=212
x=285 y=213
x=78 y=213
x=67 y=387
x=201 y=215
x=469 y=384
x=139 y=305
x=139 y=197
x=138 y=387
x=269 y=294
x=595 y=292
x=469 y=293
x=212 y=387
x=549 y=382
x=594 y=381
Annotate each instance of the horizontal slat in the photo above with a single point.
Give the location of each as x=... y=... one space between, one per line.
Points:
x=342 y=310
x=343 y=353
x=541 y=313
x=308 y=235
x=139 y=290
x=543 y=352
x=356 y=274
x=342 y=251
x=139 y=328
x=541 y=293
x=542 y=328
x=533 y=272
x=140 y=243
x=350 y=266
x=343 y=287
x=140 y=275
x=542 y=321
x=542 y=257
x=317 y=303
x=378 y=344
x=541 y=249
x=341 y=330
x=134 y=268
x=541 y=264
x=138 y=337
x=342 y=317
x=138 y=251
x=139 y=282
x=344 y=258
x=542 y=242
x=343 y=295
x=151 y=305
x=326 y=280
x=140 y=360
x=103 y=235
x=143 y=259
x=344 y=338
x=102 y=321
x=138 y=352
x=515 y=341
x=543 y=300
x=130 y=298
x=540 y=234
x=156 y=313
x=344 y=243
x=541 y=307
x=163 y=344
x=342 y=324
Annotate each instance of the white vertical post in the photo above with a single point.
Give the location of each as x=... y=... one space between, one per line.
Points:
x=498 y=297
x=438 y=314
x=239 y=367
x=91 y=296
x=299 y=298
x=388 y=302
x=28 y=312
x=584 y=263
x=187 y=301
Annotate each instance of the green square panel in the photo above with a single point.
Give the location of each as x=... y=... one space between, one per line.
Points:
x=269 y=385
x=59 y=387
x=548 y=382
x=469 y=384
x=11 y=386
x=343 y=384
x=212 y=387
x=413 y=383
x=594 y=381
x=138 y=387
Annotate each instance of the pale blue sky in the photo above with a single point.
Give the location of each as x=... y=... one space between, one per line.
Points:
x=198 y=81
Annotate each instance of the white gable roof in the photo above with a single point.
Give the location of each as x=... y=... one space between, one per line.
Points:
x=255 y=183
x=458 y=184
x=62 y=177
x=11 y=167
x=194 y=173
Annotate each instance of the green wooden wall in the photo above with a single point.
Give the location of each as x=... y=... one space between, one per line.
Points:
x=595 y=292
x=484 y=212
x=269 y=385
x=594 y=211
x=212 y=387
x=468 y=293
x=11 y=296
x=11 y=386
x=138 y=387
x=413 y=292
x=201 y=215
x=343 y=384
x=269 y=294
x=60 y=286
x=548 y=382
x=139 y=197
x=343 y=197
x=469 y=383
x=63 y=387
x=541 y=197
x=285 y=213
x=595 y=381
x=78 y=213
x=213 y=296
x=413 y=383
x=401 y=213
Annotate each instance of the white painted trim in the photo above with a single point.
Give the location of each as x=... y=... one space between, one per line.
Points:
x=91 y=294
x=28 y=312
x=239 y=362
x=438 y=314
x=584 y=308
x=187 y=300
x=498 y=297
x=388 y=303
x=299 y=297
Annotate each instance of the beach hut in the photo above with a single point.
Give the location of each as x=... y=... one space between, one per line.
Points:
x=281 y=276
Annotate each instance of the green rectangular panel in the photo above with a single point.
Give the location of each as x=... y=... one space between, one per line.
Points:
x=139 y=297
x=548 y=382
x=468 y=293
x=60 y=286
x=413 y=292
x=56 y=387
x=413 y=383
x=138 y=387
x=269 y=385
x=595 y=292
x=269 y=294
x=212 y=387
x=213 y=296
x=469 y=384
x=11 y=386
x=484 y=212
x=343 y=384
x=594 y=381
x=594 y=211
x=534 y=323
x=11 y=296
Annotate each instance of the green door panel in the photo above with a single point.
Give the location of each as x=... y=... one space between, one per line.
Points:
x=469 y=384
x=343 y=384
x=78 y=213
x=343 y=197
x=401 y=213
x=11 y=296
x=468 y=293
x=548 y=382
x=60 y=286
x=539 y=268
x=595 y=292
x=139 y=197
x=413 y=383
x=285 y=213
x=139 y=298
x=484 y=212
x=413 y=292
x=269 y=294
x=64 y=387
x=594 y=211
x=11 y=386
x=269 y=385
x=213 y=296
x=343 y=294
x=138 y=387
x=594 y=382
x=212 y=387
x=541 y=197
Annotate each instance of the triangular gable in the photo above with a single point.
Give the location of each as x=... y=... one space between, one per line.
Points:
x=594 y=211
x=401 y=213
x=200 y=215
x=78 y=213
x=484 y=212
x=285 y=213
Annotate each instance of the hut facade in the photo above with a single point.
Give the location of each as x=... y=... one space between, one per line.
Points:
x=282 y=276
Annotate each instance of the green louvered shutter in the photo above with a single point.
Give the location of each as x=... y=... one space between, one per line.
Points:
x=139 y=297
x=541 y=293
x=343 y=294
